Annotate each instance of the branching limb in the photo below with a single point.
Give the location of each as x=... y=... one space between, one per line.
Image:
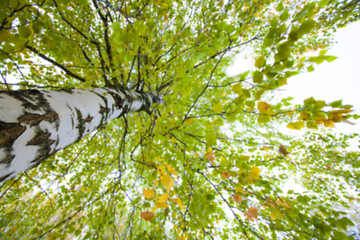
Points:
x=62 y=67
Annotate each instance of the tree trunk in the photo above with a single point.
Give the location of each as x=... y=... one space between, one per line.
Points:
x=36 y=124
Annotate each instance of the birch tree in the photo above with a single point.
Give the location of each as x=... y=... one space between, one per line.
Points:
x=119 y=121
x=36 y=124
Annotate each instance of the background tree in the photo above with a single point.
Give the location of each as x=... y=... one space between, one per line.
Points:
x=209 y=162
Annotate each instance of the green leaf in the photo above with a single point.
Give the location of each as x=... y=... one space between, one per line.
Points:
x=339 y=235
x=336 y=104
x=217 y=108
x=331 y=58
x=210 y=138
x=258 y=77
x=311 y=68
x=263 y=119
x=296 y=125
x=306 y=27
x=260 y=61
x=237 y=88
x=270 y=38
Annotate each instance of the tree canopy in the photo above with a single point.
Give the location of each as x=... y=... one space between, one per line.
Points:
x=215 y=159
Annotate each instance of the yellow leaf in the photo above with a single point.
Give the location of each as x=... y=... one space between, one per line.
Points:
x=296 y=125
x=149 y=193
x=167 y=181
x=237 y=88
x=217 y=108
x=161 y=205
x=178 y=201
x=159 y=159
x=161 y=171
x=263 y=107
x=281 y=203
x=163 y=198
x=329 y=123
x=255 y=173
x=170 y=169
x=189 y=121
x=291 y=112
x=251 y=214
x=273 y=216
x=239 y=189
x=319 y=119
x=244 y=158
x=164 y=179
x=210 y=156
x=225 y=175
x=283 y=150
x=342 y=111
x=147 y=216
x=305 y=115
x=170 y=184
x=237 y=198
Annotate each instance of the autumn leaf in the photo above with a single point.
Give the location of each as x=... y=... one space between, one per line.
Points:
x=178 y=201
x=149 y=193
x=283 y=150
x=263 y=107
x=171 y=169
x=273 y=216
x=147 y=216
x=161 y=171
x=329 y=123
x=164 y=179
x=161 y=205
x=305 y=115
x=282 y=203
x=169 y=184
x=239 y=189
x=254 y=173
x=251 y=214
x=225 y=175
x=163 y=198
x=237 y=198
x=189 y=121
x=210 y=156
x=159 y=159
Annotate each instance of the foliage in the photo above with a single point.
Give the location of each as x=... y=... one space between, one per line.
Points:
x=212 y=160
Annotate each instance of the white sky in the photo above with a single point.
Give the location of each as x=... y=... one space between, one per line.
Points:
x=339 y=79
x=330 y=81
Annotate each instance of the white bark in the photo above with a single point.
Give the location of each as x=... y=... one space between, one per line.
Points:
x=36 y=124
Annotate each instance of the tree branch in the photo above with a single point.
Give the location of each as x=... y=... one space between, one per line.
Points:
x=67 y=71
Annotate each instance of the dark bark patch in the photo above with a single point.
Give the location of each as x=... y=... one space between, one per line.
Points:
x=35 y=119
x=8 y=159
x=88 y=119
x=44 y=151
x=9 y=132
x=31 y=99
x=119 y=101
x=104 y=110
x=39 y=138
x=81 y=125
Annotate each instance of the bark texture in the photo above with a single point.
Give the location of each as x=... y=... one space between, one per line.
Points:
x=36 y=124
